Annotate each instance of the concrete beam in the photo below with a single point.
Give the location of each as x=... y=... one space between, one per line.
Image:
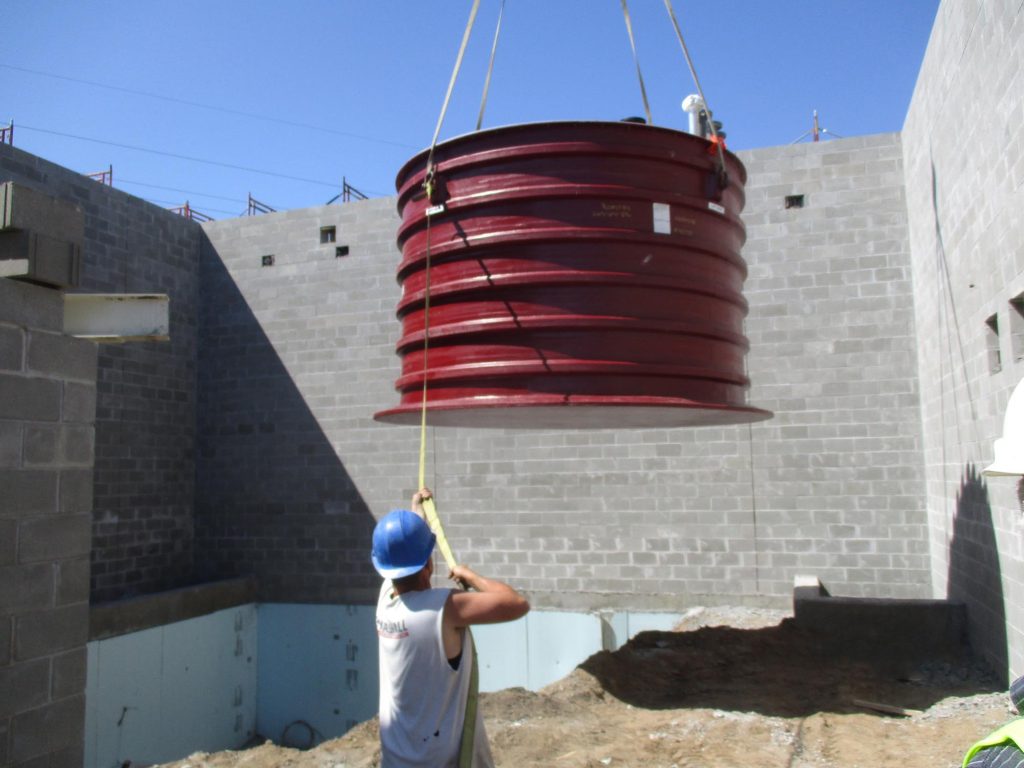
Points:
x=117 y=317
x=138 y=613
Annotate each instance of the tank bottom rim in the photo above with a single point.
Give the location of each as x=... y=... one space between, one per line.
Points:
x=575 y=412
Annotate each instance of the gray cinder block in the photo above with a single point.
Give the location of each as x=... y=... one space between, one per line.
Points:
x=11 y=439
x=28 y=491
x=6 y=625
x=68 y=674
x=24 y=687
x=29 y=399
x=76 y=491
x=63 y=356
x=24 y=208
x=12 y=349
x=39 y=258
x=8 y=541
x=31 y=306
x=79 y=402
x=54 y=538
x=45 y=633
x=72 y=581
x=26 y=588
x=50 y=729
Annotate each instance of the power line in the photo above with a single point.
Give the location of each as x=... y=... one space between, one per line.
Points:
x=185 y=191
x=211 y=107
x=177 y=203
x=331 y=184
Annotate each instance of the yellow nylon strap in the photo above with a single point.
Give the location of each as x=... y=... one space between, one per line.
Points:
x=468 y=739
x=428 y=507
x=428 y=504
x=435 y=525
x=469 y=721
x=426 y=351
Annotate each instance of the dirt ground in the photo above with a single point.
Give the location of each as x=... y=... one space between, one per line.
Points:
x=728 y=687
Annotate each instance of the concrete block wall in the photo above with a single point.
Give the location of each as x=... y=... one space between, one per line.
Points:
x=963 y=146
x=639 y=519
x=291 y=357
x=47 y=405
x=145 y=396
x=840 y=488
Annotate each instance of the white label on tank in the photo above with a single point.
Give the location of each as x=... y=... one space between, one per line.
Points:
x=434 y=210
x=662 y=219
x=716 y=207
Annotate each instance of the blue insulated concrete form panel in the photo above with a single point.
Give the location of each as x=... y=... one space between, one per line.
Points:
x=160 y=694
x=318 y=665
x=545 y=646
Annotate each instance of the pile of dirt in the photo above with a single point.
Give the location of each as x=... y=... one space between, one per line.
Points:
x=728 y=687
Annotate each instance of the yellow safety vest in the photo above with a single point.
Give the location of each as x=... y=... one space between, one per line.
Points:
x=1011 y=732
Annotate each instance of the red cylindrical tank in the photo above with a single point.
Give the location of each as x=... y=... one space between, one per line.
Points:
x=582 y=274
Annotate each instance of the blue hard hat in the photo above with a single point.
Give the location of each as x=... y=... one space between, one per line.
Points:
x=402 y=544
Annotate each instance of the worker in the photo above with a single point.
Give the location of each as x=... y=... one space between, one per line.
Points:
x=426 y=652
x=1004 y=747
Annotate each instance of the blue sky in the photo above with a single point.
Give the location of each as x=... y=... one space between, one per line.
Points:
x=305 y=93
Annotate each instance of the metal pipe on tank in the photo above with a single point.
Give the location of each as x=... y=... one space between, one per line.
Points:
x=693 y=105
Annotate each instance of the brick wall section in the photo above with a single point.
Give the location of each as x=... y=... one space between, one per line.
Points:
x=963 y=146
x=628 y=518
x=47 y=404
x=145 y=398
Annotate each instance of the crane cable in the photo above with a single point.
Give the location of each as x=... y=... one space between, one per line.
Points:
x=696 y=81
x=490 y=66
x=636 y=61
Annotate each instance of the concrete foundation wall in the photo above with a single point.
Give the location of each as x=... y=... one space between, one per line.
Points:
x=296 y=357
x=146 y=392
x=964 y=154
x=47 y=406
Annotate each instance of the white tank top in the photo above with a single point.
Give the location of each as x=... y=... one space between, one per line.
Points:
x=422 y=699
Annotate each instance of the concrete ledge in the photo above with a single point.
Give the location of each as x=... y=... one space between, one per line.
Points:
x=891 y=632
x=136 y=614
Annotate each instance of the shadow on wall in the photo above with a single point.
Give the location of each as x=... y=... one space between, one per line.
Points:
x=974 y=574
x=272 y=497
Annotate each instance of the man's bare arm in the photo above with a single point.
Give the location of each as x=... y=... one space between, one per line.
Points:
x=490 y=602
